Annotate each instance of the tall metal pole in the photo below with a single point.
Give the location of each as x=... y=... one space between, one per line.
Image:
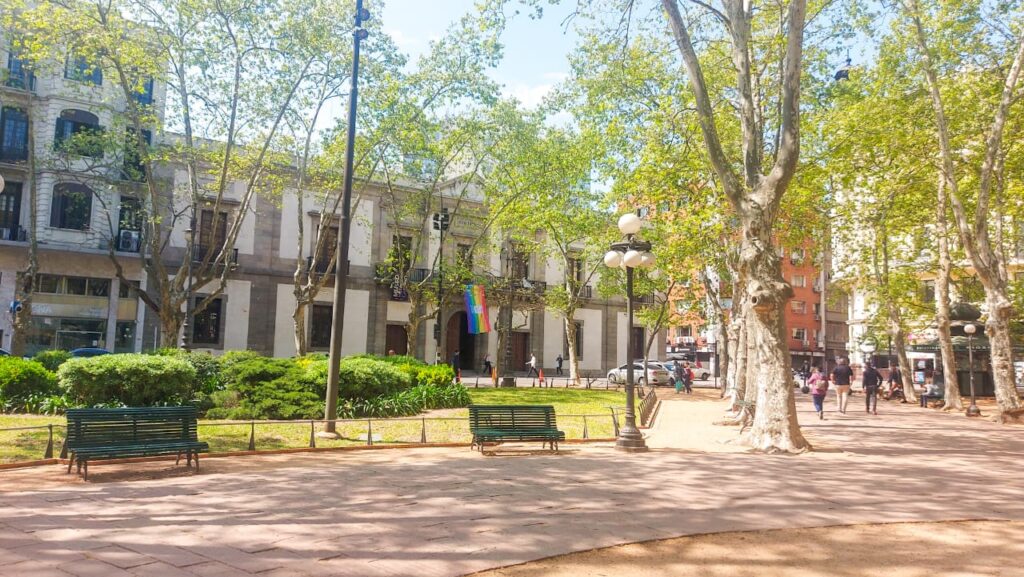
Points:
x=440 y=283
x=630 y=438
x=973 y=410
x=509 y=380
x=186 y=340
x=341 y=252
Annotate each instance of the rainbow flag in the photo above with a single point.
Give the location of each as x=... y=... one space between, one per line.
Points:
x=476 y=310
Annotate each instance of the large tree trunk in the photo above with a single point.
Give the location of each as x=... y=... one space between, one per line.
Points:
x=299 y=326
x=574 y=361
x=998 y=331
x=775 y=427
x=952 y=394
x=899 y=339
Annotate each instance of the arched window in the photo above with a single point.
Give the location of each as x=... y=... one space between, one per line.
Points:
x=71 y=207
x=79 y=132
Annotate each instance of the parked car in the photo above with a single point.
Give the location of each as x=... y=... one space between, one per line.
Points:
x=89 y=352
x=699 y=373
x=656 y=374
x=4 y=353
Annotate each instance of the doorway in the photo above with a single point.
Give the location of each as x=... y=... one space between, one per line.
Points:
x=520 y=350
x=396 y=339
x=458 y=338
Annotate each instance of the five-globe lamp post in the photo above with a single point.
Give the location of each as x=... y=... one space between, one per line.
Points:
x=969 y=330
x=630 y=254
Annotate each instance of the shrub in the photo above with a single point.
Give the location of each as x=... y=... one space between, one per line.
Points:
x=207 y=366
x=21 y=379
x=408 y=402
x=52 y=360
x=266 y=388
x=439 y=375
x=365 y=378
x=129 y=379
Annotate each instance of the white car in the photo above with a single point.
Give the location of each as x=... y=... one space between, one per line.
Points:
x=656 y=374
x=699 y=373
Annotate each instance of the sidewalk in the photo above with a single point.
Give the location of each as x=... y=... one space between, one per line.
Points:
x=453 y=511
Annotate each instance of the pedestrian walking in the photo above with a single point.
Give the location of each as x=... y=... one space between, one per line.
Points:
x=558 y=364
x=487 y=364
x=456 y=362
x=819 y=388
x=872 y=381
x=686 y=379
x=532 y=363
x=896 y=387
x=841 y=376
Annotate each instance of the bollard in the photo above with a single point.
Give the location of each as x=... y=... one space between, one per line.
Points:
x=615 y=424
x=64 y=448
x=423 y=431
x=586 y=434
x=252 y=435
x=49 y=443
x=369 y=432
x=312 y=435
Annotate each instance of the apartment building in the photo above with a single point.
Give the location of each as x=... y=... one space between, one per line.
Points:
x=76 y=215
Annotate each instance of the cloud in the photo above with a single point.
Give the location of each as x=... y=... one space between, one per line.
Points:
x=531 y=95
x=404 y=41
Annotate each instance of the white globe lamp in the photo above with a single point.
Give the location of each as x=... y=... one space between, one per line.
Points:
x=629 y=223
x=612 y=258
x=632 y=258
x=647 y=260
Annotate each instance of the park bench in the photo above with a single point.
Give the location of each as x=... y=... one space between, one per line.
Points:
x=501 y=423
x=131 y=432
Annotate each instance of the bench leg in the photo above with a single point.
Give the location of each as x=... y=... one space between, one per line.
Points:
x=178 y=460
x=188 y=458
x=71 y=459
x=85 y=474
x=197 y=461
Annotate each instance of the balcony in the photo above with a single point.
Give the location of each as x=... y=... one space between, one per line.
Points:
x=200 y=253
x=17 y=153
x=647 y=299
x=20 y=80
x=586 y=292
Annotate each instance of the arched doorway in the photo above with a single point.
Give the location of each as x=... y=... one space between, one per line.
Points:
x=396 y=339
x=459 y=339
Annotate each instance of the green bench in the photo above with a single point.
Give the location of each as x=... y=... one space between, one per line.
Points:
x=131 y=432
x=516 y=423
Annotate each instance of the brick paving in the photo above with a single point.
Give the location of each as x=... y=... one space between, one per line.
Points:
x=451 y=511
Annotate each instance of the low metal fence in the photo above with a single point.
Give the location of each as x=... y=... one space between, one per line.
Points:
x=270 y=435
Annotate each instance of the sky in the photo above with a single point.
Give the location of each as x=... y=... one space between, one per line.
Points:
x=536 y=51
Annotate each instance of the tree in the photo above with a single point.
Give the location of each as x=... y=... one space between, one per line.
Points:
x=976 y=175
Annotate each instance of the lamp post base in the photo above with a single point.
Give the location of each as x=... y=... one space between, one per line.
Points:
x=630 y=441
x=973 y=411
x=508 y=382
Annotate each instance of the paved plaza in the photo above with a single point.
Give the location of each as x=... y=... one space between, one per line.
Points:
x=452 y=511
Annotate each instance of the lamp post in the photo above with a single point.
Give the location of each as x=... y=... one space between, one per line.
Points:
x=441 y=221
x=509 y=378
x=969 y=330
x=341 y=264
x=629 y=254
x=186 y=340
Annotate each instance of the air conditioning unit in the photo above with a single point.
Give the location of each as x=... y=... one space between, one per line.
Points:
x=128 y=241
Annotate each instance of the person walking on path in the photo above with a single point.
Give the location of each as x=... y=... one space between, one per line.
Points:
x=532 y=363
x=558 y=364
x=487 y=364
x=819 y=387
x=684 y=380
x=842 y=375
x=872 y=381
x=456 y=362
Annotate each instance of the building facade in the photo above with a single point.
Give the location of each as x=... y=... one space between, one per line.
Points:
x=79 y=300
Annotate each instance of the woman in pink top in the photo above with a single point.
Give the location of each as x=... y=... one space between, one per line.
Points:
x=819 y=387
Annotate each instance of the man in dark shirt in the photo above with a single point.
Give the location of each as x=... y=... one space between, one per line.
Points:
x=842 y=375
x=872 y=381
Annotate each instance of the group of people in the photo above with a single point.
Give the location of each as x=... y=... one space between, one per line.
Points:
x=842 y=376
x=531 y=365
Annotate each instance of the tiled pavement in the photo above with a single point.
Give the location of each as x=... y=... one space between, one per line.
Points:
x=451 y=511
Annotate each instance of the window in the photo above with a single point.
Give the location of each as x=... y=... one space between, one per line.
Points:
x=206 y=326
x=575 y=272
x=133 y=168
x=520 y=264
x=213 y=233
x=128 y=289
x=579 y=342
x=800 y=334
x=48 y=283
x=18 y=75
x=124 y=337
x=145 y=95
x=98 y=287
x=796 y=256
x=75 y=285
x=327 y=248
x=817 y=309
x=79 y=68
x=13 y=135
x=10 y=211
x=799 y=281
x=71 y=207
x=799 y=307
x=685 y=331
x=464 y=254
x=928 y=291
x=79 y=132
x=320 y=322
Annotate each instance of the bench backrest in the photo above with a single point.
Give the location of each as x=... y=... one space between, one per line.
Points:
x=517 y=417
x=129 y=426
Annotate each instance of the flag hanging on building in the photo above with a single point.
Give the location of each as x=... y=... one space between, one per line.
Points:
x=476 y=310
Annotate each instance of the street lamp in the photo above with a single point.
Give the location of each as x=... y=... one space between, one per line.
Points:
x=509 y=378
x=969 y=330
x=189 y=256
x=341 y=252
x=630 y=254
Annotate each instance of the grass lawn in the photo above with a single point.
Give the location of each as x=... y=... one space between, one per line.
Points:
x=443 y=426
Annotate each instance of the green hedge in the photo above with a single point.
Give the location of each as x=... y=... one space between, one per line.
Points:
x=408 y=402
x=21 y=379
x=129 y=379
x=52 y=359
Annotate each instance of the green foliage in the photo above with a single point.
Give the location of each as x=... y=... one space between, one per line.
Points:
x=130 y=379
x=408 y=402
x=266 y=388
x=21 y=379
x=52 y=359
x=364 y=378
x=208 y=368
x=435 y=375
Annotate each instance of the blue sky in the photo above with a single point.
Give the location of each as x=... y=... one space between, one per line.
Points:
x=535 y=50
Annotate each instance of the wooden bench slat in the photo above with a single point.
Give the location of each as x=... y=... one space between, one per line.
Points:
x=497 y=423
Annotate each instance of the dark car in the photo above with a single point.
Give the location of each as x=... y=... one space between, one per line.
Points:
x=4 y=353
x=89 y=352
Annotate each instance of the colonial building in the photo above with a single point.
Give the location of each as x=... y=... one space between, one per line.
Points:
x=79 y=300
